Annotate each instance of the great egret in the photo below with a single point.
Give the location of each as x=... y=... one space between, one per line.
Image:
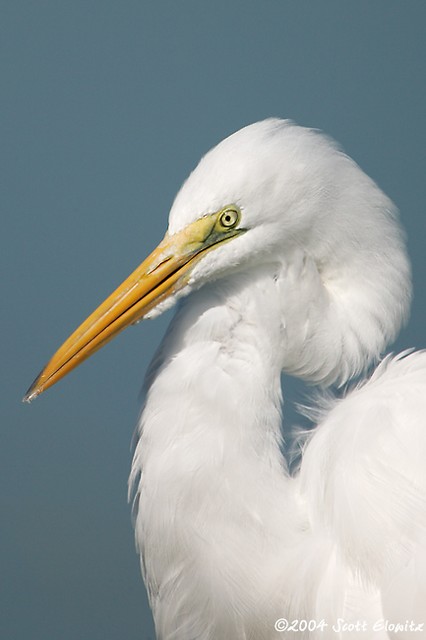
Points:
x=294 y=260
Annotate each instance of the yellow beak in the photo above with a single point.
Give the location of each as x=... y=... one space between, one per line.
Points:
x=164 y=272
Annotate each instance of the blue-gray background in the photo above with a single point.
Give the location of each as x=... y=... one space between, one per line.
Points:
x=105 y=107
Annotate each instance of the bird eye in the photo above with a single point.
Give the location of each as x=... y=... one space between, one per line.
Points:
x=229 y=218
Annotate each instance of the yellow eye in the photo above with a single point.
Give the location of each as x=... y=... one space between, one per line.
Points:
x=229 y=218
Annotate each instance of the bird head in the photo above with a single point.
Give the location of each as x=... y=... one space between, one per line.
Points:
x=262 y=195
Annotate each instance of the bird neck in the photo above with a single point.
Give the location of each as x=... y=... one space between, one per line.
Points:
x=208 y=465
x=214 y=390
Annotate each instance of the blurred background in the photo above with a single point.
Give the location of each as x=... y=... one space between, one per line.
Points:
x=105 y=108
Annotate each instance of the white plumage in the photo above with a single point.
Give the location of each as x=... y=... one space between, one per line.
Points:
x=317 y=287
x=294 y=261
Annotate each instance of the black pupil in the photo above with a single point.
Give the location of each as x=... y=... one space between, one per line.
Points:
x=228 y=218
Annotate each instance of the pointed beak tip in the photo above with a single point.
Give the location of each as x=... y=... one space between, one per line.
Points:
x=29 y=396
x=33 y=391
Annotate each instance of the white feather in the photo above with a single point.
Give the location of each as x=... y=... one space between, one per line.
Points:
x=317 y=286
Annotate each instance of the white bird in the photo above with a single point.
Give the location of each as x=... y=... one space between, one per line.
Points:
x=287 y=257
